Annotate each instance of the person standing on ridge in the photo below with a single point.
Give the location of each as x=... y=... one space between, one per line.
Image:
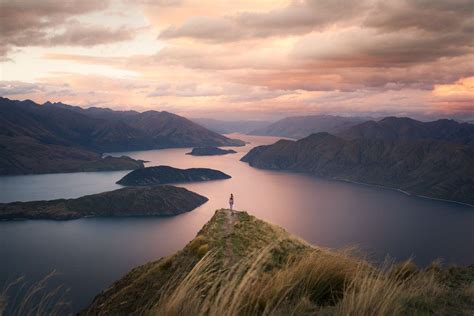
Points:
x=231 y=201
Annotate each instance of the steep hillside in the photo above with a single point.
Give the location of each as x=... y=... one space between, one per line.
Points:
x=428 y=168
x=404 y=128
x=239 y=265
x=302 y=126
x=163 y=129
x=144 y=201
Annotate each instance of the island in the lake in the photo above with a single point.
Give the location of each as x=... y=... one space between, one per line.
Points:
x=210 y=151
x=166 y=175
x=163 y=200
x=240 y=265
x=429 y=168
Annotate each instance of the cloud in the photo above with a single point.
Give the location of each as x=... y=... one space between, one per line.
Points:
x=366 y=47
x=456 y=96
x=302 y=17
x=8 y=88
x=37 y=15
x=256 y=94
x=298 y=18
x=186 y=90
x=434 y=15
x=205 y=28
x=77 y=34
x=246 y=56
x=159 y=3
x=331 y=45
x=51 y=23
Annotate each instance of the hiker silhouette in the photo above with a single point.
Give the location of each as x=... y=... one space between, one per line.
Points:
x=231 y=201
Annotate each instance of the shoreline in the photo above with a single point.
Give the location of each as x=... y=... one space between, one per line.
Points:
x=365 y=184
x=402 y=191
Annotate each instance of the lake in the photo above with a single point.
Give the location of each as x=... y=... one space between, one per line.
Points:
x=92 y=253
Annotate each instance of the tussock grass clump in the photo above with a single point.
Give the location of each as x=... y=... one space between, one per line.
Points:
x=3 y=303
x=390 y=290
x=39 y=298
x=199 y=246
x=316 y=283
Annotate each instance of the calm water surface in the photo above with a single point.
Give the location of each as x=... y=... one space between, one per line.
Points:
x=92 y=253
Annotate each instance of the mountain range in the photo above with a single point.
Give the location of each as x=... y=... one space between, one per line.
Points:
x=56 y=135
x=302 y=126
x=228 y=127
x=437 y=165
x=404 y=128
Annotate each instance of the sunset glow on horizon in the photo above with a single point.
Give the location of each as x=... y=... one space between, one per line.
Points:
x=243 y=59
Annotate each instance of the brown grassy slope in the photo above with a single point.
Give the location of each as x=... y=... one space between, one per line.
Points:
x=239 y=265
x=140 y=289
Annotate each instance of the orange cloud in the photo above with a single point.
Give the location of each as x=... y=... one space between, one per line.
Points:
x=464 y=86
x=458 y=96
x=269 y=57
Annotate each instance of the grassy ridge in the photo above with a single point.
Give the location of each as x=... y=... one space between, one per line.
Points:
x=239 y=265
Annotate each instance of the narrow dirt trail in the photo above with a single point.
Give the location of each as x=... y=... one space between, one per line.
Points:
x=231 y=218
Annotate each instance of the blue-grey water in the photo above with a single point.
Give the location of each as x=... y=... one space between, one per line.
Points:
x=92 y=253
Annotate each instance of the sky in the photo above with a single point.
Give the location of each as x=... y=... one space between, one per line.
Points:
x=243 y=59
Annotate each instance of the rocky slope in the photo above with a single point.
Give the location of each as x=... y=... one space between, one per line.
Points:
x=404 y=128
x=210 y=151
x=302 y=126
x=165 y=175
x=143 y=201
x=429 y=168
x=239 y=265
x=33 y=135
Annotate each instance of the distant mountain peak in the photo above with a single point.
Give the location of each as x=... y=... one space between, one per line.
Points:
x=54 y=126
x=302 y=126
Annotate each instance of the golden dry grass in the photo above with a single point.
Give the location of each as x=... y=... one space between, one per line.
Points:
x=39 y=298
x=317 y=283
